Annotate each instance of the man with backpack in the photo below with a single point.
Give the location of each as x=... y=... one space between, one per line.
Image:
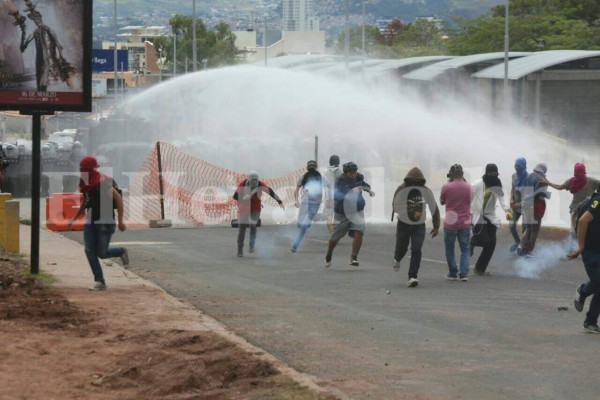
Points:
x=588 y=241
x=312 y=183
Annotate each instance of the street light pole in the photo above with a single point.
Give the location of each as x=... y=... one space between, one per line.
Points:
x=116 y=64
x=347 y=34
x=174 y=54
x=194 y=51
x=506 y=45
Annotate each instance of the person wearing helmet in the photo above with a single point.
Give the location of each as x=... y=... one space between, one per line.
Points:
x=456 y=196
x=349 y=211
x=332 y=173
x=248 y=196
x=312 y=183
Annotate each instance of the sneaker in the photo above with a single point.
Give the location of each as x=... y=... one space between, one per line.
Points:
x=413 y=282
x=125 y=257
x=579 y=300
x=396 y=265
x=97 y=287
x=591 y=328
x=354 y=262
x=251 y=249
x=293 y=249
x=327 y=263
x=520 y=251
x=463 y=278
x=451 y=277
x=514 y=247
x=240 y=253
x=482 y=273
x=528 y=255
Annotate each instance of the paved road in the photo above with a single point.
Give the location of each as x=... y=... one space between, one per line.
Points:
x=499 y=337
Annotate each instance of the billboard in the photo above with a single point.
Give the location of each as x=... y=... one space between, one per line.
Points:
x=45 y=55
x=104 y=60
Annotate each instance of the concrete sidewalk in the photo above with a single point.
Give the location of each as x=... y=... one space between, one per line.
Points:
x=143 y=303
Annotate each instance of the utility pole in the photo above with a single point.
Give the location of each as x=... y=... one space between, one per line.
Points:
x=506 y=46
x=174 y=54
x=194 y=51
x=116 y=64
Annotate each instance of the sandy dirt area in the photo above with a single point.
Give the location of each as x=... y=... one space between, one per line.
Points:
x=118 y=344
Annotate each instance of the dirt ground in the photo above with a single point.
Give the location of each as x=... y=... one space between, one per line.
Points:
x=95 y=348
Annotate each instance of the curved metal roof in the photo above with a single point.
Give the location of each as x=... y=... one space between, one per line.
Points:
x=405 y=62
x=433 y=71
x=527 y=65
x=298 y=59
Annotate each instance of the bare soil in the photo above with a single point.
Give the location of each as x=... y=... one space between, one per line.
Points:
x=52 y=348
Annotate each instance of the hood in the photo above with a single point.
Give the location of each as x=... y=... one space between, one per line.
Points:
x=415 y=177
x=521 y=162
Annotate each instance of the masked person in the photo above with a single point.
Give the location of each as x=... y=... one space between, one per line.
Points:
x=518 y=182
x=581 y=186
x=533 y=205
x=409 y=203
x=100 y=198
x=487 y=194
x=312 y=184
x=349 y=211
x=248 y=195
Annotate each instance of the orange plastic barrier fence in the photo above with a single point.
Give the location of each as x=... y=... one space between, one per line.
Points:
x=193 y=189
x=60 y=208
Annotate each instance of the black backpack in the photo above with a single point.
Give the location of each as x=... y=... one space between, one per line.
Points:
x=581 y=208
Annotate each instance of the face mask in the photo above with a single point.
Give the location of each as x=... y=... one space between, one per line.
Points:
x=519 y=170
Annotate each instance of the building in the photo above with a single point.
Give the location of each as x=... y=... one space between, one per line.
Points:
x=135 y=40
x=298 y=16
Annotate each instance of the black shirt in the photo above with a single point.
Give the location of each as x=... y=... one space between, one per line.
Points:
x=100 y=200
x=592 y=238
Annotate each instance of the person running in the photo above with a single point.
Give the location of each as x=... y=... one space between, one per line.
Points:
x=456 y=196
x=332 y=173
x=312 y=184
x=487 y=193
x=349 y=211
x=533 y=205
x=588 y=240
x=518 y=181
x=581 y=186
x=409 y=203
x=100 y=198
x=248 y=196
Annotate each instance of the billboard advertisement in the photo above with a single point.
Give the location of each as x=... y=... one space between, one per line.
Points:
x=104 y=60
x=45 y=55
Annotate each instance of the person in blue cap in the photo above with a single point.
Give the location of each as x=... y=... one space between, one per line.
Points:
x=518 y=182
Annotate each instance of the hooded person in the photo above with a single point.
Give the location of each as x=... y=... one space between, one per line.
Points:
x=409 y=204
x=330 y=175
x=581 y=187
x=518 y=182
x=487 y=194
x=101 y=196
x=533 y=206
x=312 y=185
x=248 y=195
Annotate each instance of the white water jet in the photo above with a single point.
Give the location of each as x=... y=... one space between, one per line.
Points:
x=250 y=118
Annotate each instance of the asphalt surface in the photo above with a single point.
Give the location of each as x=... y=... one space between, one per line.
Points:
x=363 y=331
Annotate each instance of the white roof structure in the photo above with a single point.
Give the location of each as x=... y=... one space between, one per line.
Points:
x=537 y=61
x=434 y=71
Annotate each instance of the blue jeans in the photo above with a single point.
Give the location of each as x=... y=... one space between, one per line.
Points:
x=96 y=239
x=305 y=216
x=513 y=226
x=464 y=237
x=591 y=261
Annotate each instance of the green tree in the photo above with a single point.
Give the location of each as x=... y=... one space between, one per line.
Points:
x=214 y=47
